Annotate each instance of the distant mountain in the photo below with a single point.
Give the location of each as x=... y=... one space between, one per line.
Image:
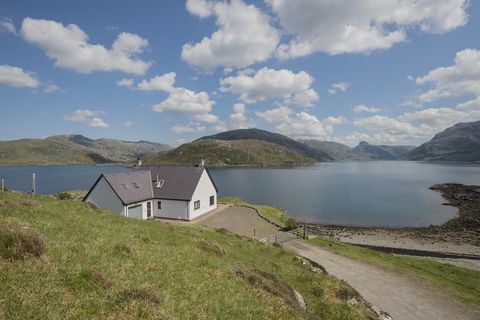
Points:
x=364 y=150
x=230 y=153
x=275 y=138
x=458 y=143
x=68 y=149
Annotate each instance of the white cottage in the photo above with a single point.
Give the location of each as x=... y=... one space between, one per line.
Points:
x=172 y=192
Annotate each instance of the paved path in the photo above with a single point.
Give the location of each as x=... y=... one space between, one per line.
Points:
x=403 y=296
x=239 y=220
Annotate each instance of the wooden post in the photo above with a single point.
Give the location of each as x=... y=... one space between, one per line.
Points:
x=254 y=237
x=33 y=184
x=3 y=184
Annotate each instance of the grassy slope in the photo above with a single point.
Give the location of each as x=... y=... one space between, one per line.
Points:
x=463 y=283
x=188 y=272
x=28 y=151
x=272 y=214
x=237 y=152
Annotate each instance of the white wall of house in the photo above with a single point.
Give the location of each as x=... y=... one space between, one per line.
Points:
x=139 y=210
x=171 y=209
x=204 y=190
x=104 y=197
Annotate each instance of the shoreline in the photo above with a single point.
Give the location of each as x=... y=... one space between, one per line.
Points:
x=459 y=235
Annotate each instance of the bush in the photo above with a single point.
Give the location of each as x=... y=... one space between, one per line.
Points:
x=63 y=196
x=16 y=244
x=291 y=224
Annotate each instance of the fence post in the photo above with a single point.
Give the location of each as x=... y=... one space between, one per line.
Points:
x=254 y=237
x=33 y=184
x=304 y=231
x=3 y=184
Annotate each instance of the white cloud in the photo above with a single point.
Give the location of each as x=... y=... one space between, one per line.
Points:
x=6 y=25
x=300 y=125
x=269 y=83
x=463 y=77
x=181 y=129
x=125 y=83
x=128 y=124
x=50 y=87
x=88 y=117
x=244 y=36
x=159 y=83
x=17 y=77
x=69 y=47
x=352 y=26
x=364 y=108
x=180 y=101
x=339 y=86
x=239 y=119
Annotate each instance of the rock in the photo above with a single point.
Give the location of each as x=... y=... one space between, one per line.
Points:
x=300 y=300
x=352 y=302
x=381 y=314
x=316 y=270
x=300 y=259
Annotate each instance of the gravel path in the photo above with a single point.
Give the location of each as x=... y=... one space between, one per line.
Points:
x=239 y=220
x=402 y=296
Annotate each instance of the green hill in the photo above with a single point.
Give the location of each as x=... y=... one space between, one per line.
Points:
x=230 y=153
x=458 y=143
x=69 y=149
x=275 y=138
x=69 y=260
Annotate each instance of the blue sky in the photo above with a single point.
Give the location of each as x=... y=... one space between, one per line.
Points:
x=387 y=72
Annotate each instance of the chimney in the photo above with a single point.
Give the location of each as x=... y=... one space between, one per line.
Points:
x=202 y=163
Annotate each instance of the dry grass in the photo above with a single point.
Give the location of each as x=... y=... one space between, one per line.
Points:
x=17 y=244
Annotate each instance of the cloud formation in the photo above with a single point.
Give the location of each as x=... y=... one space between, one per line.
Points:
x=364 y=108
x=6 y=25
x=17 y=77
x=254 y=86
x=351 y=26
x=302 y=124
x=68 y=46
x=340 y=86
x=463 y=77
x=244 y=35
x=88 y=117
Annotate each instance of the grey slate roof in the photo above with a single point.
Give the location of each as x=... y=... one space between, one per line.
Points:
x=177 y=183
x=132 y=186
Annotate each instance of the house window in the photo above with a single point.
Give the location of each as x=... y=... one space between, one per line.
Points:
x=196 y=205
x=212 y=200
x=159 y=205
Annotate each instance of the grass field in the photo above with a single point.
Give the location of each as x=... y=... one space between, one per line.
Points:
x=64 y=259
x=461 y=282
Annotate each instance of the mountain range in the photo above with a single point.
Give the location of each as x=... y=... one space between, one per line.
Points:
x=72 y=149
x=460 y=142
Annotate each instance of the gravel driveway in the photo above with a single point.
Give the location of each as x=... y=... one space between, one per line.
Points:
x=240 y=220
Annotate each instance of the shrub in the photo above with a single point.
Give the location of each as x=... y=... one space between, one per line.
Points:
x=63 y=196
x=291 y=224
x=16 y=244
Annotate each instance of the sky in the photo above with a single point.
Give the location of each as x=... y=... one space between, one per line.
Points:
x=383 y=71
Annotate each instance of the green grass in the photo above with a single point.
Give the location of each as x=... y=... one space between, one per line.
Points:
x=272 y=214
x=230 y=153
x=97 y=265
x=461 y=282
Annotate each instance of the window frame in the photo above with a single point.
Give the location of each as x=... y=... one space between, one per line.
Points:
x=159 y=205
x=212 y=200
x=196 y=205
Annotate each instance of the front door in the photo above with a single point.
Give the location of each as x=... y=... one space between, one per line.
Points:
x=149 y=209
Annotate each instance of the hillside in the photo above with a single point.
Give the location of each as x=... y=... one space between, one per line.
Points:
x=69 y=149
x=230 y=153
x=364 y=150
x=458 y=143
x=276 y=138
x=69 y=260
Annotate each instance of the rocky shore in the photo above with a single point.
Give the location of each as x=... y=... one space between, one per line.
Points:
x=459 y=235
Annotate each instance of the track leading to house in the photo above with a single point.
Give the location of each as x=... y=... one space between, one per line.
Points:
x=403 y=296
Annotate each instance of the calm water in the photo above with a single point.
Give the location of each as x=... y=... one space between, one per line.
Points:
x=369 y=193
